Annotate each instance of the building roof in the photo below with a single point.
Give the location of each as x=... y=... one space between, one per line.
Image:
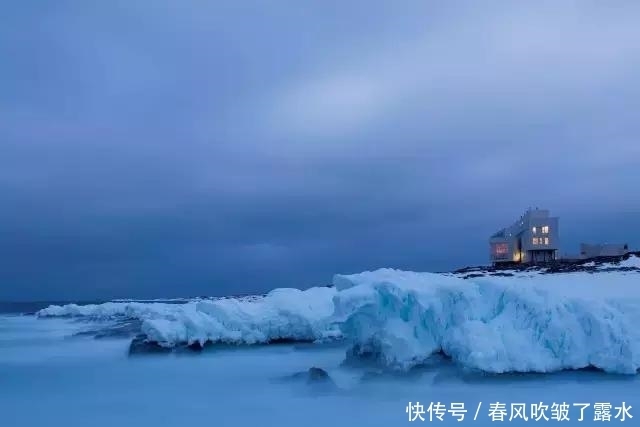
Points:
x=499 y=234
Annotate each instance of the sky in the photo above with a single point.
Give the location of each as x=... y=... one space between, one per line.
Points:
x=161 y=148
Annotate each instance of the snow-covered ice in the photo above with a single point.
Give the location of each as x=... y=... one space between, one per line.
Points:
x=525 y=322
x=528 y=323
x=110 y=310
x=283 y=314
x=631 y=262
x=520 y=321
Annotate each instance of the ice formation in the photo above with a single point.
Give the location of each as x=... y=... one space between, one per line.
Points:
x=519 y=321
x=540 y=323
x=631 y=262
x=283 y=314
x=110 y=310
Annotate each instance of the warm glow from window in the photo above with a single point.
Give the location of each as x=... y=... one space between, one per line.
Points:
x=546 y=240
x=545 y=229
x=535 y=240
x=535 y=230
x=500 y=249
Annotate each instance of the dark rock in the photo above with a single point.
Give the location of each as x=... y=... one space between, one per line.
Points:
x=471 y=270
x=195 y=346
x=318 y=375
x=590 y=265
x=140 y=345
x=590 y=368
x=473 y=276
x=316 y=378
x=288 y=341
x=320 y=381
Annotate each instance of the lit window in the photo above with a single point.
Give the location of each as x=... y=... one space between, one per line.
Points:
x=545 y=229
x=500 y=250
x=546 y=240
x=535 y=230
x=535 y=240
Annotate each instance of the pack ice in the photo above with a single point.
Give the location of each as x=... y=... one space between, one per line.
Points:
x=525 y=323
x=282 y=314
x=519 y=321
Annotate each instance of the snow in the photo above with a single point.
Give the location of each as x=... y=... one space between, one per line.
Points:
x=283 y=314
x=526 y=322
x=536 y=323
x=109 y=310
x=631 y=262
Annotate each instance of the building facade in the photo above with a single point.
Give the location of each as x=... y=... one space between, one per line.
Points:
x=533 y=238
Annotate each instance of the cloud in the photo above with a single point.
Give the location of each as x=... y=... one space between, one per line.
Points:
x=164 y=150
x=515 y=57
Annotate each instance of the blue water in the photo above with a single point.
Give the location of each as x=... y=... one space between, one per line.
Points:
x=51 y=376
x=30 y=307
x=9 y=307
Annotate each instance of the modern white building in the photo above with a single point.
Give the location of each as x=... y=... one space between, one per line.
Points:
x=533 y=238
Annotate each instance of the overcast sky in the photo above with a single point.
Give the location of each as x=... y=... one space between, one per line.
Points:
x=176 y=148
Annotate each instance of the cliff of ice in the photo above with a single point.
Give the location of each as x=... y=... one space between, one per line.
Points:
x=526 y=320
x=282 y=314
x=526 y=323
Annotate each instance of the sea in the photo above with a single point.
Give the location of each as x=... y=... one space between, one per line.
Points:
x=52 y=373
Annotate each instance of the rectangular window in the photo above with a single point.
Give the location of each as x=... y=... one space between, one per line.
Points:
x=534 y=230
x=500 y=250
x=535 y=240
x=546 y=240
x=545 y=229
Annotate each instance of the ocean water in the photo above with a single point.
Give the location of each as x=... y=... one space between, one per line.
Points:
x=7 y=307
x=51 y=375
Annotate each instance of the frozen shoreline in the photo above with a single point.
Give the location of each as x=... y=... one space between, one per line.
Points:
x=515 y=321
